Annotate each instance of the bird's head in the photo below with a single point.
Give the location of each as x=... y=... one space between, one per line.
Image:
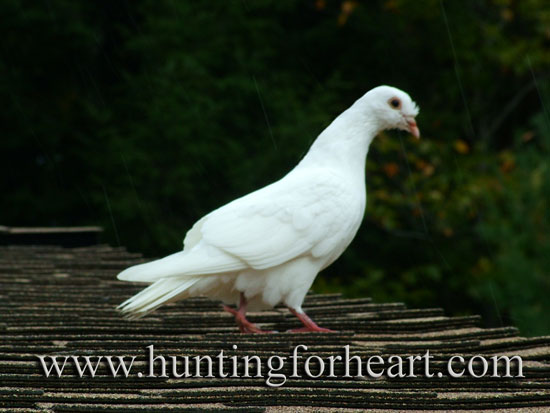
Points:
x=393 y=109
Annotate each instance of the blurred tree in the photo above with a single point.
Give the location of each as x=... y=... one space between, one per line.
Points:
x=144 y=116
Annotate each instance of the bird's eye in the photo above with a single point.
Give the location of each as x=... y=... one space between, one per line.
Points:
x=395 y=103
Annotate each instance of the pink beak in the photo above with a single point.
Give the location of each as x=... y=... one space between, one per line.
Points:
x=413 y=129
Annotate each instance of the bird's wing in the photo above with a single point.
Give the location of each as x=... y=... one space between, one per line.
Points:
x=307 y=212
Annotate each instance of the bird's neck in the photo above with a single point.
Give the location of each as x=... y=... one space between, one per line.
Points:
x=344 y=143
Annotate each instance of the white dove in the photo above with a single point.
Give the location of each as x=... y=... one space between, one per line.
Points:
x=267 y=247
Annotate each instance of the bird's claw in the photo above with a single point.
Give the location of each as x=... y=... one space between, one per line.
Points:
x=252 y=329
x=245 y=326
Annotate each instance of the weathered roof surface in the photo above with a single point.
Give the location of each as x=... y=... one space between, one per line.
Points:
x=61 y=301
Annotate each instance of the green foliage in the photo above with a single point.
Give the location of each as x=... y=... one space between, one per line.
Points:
x=143 y=116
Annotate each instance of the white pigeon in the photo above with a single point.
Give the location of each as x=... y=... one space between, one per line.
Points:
x=267 y=247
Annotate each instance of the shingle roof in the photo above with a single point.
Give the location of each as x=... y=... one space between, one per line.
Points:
x=61 y=301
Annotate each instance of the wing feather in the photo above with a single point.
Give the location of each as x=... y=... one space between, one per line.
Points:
x=305 y=213
x=282 y=221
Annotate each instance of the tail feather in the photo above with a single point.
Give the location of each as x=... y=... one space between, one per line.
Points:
x=173 y=276
x=198 y=261
x=159 y=293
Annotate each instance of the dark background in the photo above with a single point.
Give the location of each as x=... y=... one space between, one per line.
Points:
x=142 y=116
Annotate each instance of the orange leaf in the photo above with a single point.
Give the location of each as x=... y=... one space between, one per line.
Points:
x=507 y=165
x=391 y=169
x=461 y=146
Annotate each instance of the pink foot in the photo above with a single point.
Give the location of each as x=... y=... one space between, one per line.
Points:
x=245 y=326
x=309 y=324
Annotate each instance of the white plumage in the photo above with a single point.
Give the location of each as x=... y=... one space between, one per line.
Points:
x=268 y=246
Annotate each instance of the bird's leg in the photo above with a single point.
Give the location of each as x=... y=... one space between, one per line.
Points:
x=240 y=317
x=309 y=324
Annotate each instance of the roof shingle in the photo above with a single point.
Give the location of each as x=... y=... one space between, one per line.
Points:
x=62 y=301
